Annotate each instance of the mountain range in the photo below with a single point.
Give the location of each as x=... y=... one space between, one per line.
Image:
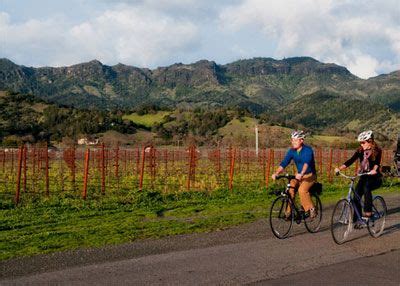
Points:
x=301 y=89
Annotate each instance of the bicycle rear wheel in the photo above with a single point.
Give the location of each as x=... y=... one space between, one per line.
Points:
x=313 y=224
x=376 y=224
x=280 y=221
x=341 y=221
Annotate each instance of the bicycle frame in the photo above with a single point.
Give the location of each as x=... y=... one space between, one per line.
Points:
x=298 y=212
x=351 y=191
x=343 y=217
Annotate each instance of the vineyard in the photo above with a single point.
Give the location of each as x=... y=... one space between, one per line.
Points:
x=34 y=171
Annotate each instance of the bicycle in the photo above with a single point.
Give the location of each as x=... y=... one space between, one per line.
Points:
x=343 y=214
x=281 y=222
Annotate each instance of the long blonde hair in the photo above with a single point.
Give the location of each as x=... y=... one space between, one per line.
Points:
x=374 y=147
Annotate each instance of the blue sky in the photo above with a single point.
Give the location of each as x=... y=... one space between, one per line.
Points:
x=364 y=36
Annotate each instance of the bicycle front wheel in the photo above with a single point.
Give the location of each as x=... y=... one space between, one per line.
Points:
x=376 y=224
x=281 y=217
x=314 y=223
x=341 y=221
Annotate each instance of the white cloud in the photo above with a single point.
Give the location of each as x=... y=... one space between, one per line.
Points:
x=132 y=35
x=366 y=39
x=362 y=35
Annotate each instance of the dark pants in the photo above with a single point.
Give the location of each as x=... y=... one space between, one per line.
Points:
x=365 y=185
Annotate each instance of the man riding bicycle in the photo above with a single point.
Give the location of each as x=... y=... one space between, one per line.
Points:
x=303 y=157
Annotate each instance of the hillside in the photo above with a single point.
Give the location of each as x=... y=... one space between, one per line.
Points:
x=294 y=92
x=25 y=118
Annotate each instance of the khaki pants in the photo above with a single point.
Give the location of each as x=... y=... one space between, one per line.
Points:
x=303 y=186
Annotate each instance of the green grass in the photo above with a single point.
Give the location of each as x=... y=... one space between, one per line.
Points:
x=321 y=139
x=147 y=120
x=239 y=128
x=63 y=221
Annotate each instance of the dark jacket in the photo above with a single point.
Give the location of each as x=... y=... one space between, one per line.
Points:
x=359 y=154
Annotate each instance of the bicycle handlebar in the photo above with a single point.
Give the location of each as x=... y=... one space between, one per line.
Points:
x=353 y=177
x=286 y=176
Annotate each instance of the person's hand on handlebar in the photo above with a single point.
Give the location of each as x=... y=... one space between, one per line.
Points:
x=339 y=169
x=299 y=176
x=277 y=172
x=372 y=172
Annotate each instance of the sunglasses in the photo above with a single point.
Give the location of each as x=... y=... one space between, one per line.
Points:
x=364 y=142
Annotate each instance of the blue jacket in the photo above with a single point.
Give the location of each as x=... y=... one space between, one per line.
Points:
x=306 y=155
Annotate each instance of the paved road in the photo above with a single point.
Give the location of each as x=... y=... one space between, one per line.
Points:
x=247 y=254
x=380 y=269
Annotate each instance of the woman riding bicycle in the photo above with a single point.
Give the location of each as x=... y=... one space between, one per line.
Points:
x=370 y=156
x=303 y=157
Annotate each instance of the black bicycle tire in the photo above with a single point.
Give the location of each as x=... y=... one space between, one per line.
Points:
x=276 y=233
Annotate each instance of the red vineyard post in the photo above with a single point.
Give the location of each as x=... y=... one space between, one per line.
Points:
x=18 y=181
x=34 y=159
x=117 y=165
x=25 y=150
x=142 y=168
x=137 y=161
x=86 y=174
x=330 y=165
x=153 y=154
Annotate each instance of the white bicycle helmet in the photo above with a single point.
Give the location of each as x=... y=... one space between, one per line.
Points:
x=298 y=134
x=366 y=135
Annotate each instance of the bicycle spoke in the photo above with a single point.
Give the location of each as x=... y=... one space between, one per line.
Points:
x=280 y=219
x=376 y=223
x=341 y=221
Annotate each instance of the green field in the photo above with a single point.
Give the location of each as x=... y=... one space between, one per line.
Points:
x=64 y=222
x=147 y=120
x=239 y=128
x=328 y=140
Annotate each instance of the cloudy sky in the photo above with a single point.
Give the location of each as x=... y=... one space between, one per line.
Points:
x=363 y=35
